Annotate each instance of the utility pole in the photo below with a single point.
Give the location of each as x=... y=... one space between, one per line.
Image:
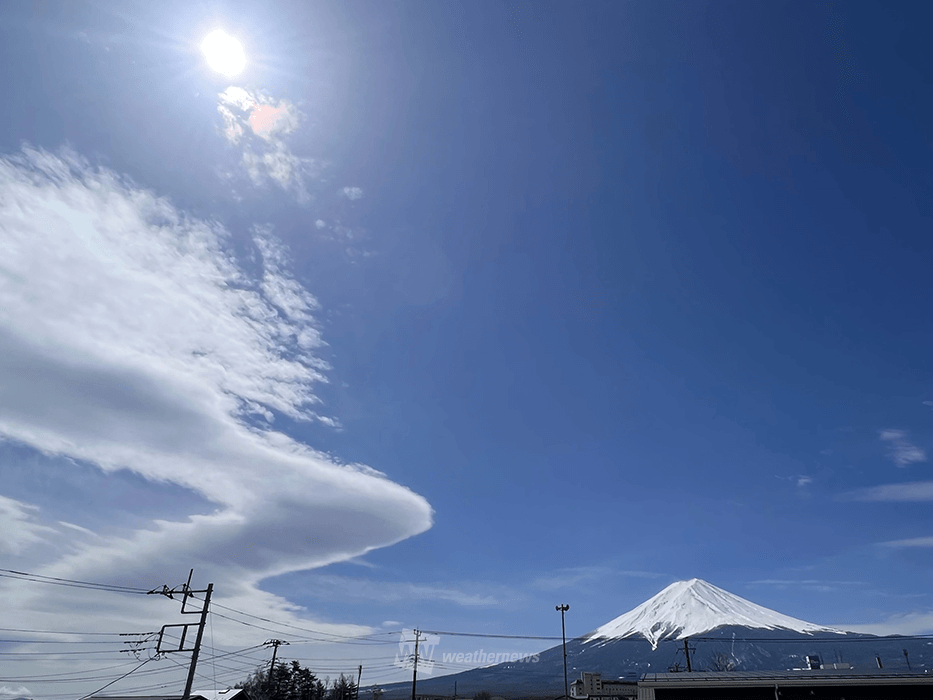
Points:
x=359 y=677
x=908 y=660
x=186 y=593
x=687 y=653
x=197 y=641
x=414 y=672
x=276 y=643
x=563 y=636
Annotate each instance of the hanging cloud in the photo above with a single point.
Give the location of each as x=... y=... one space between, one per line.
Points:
x=131 y=339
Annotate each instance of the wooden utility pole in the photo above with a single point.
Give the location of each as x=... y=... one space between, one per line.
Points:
x=687 y=652
x=197 y=641
x=276 y=643
x=359 y=677
x=414 y=671
x=186 y=593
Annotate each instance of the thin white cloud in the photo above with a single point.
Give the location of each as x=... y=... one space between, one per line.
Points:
x=574 y=576
x=266 y=157
x=901 y=450
x=345 y=588
x=807 y=584
x=911 y=542
x=911 y=491
x=352 y=193
x=131 y=339
x=904 y=623
x=78 y=528
x=319 y=224
x=803 y=481
x=20 y=527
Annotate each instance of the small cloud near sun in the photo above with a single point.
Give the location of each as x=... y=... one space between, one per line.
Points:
x=224 y=53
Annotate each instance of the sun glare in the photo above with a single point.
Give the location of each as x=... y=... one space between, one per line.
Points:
x=224 y=54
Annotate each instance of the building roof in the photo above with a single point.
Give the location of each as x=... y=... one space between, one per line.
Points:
x=193 y=696
x=801 y=677
x=226 y=694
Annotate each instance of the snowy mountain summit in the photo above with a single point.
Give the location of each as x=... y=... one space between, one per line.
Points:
x=688 y=608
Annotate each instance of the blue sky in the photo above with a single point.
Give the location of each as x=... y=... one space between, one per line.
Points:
x=441 y=314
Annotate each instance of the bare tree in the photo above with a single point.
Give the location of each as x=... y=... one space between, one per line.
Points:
x=722 y=662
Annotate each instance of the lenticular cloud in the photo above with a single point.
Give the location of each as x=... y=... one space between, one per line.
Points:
x=130 y=338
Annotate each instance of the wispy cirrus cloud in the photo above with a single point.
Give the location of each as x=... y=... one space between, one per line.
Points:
x=904 y=623
x=131 y=339
x=910 y=491
x=910 y=542
x=352 y=193
x=900 y=449
x=806 y=584
x=345 y=588
x=262 y=125
x=576 y=575
x=20 y=526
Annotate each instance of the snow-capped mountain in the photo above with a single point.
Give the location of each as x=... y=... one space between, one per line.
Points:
x=727 y=632
x=689 y=608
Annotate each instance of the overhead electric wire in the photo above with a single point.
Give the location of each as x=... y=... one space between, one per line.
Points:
x=362 y=641
x=57 y=641
x=73 y=583
x=109 y=634
x=350 y=638
x=60 y=653
x=500 y=636
x=84 y=697
x=21 y=679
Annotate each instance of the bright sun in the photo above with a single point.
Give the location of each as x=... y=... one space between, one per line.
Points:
x=223 y=53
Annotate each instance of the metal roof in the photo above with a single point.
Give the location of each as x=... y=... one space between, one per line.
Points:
x=802 y=677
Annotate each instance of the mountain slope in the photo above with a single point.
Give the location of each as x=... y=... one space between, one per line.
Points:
x=689 y=608
x=725 y=630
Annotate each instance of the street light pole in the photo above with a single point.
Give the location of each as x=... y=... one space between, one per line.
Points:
x=563 y=636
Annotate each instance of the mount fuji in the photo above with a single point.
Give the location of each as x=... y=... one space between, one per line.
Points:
x=694 y=607
x=719 y=631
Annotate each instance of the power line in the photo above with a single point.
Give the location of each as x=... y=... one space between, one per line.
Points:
x=353 y=638
x=60 y=653
x=109 y=634
x=57 y=641
x=73 y=583
x=22 y=679
x=115 y=680
x=500 y=636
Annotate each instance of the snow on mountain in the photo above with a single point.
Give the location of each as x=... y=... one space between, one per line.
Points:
x=688 y=608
